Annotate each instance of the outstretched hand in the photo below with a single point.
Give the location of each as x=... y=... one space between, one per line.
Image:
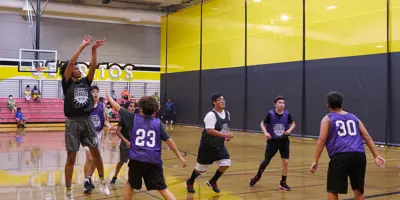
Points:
x=99 y=43
x=86 y=41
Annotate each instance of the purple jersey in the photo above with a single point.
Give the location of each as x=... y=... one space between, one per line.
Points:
x=97 y=117
x=145 y=138
x=344 y=134
x=278 y=125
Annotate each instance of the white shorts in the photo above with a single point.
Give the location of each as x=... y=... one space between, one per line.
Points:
x=100 y=136
x=221 y=163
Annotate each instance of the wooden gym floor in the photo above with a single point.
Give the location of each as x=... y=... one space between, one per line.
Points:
x=32 y=169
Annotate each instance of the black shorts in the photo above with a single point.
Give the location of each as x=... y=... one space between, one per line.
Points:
x=152 y=175
x=207 y=155
x=78 y=131
x=123 y=155
x=273 y=145
x=342 y=166
x=169 y=116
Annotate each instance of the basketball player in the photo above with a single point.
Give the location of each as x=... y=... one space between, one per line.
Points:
x=78 y=104
x=146 y=134
x=169 y=113
x=279 y=125
x=99 y=119
x=212 y=145
x=123 y=134
x=343 y=134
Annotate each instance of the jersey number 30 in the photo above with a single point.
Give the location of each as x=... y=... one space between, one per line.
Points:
x=346 y=128
x=141 y=134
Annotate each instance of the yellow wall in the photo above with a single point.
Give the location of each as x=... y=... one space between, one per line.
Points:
x=395 y=26
x=184 y=40
x=223 y=34
x=8 y=72
x=274 y=31
x=163 y=44
x=353 y=27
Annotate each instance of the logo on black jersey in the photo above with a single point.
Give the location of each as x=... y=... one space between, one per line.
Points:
x=81 y=97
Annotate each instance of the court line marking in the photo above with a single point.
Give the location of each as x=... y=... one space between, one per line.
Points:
x=378 y=195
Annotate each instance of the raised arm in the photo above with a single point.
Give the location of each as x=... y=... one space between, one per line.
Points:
x=71 y=64
x=93 y=62
x=113 y=104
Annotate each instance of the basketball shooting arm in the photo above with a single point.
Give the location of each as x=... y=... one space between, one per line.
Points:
x=93 y=63
x=370 y=143
x=71 y=64
x=323 y=135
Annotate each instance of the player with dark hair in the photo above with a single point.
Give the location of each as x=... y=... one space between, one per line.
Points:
x=279 y=126
x=212 y=145
x=123 y=134
x=169 y=113
x=78 y=105
x=99 y=119
x=343 y=134
x=146 y=134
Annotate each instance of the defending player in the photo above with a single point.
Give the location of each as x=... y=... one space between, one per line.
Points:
x=343 y=134
x=146 y=134
x=212 y=145
x=279 y=125
x=78 y=104
x=123 y=134
x=99 y=119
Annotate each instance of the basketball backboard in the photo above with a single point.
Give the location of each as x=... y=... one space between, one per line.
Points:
x=31 y=59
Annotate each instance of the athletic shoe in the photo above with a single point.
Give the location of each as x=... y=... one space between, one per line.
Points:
x=113 y=181
x=69 y=194
x=87 y=187
x=254 y=180
x=284 y=186
x=189 y=186
x=104 y=187
x=213 y=185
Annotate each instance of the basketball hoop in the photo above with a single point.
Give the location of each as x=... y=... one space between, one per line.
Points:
x=39 y=71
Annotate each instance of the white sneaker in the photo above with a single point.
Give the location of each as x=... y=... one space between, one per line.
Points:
x=104 y=187
x=69 y=195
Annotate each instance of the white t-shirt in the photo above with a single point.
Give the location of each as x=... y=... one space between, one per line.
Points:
x=210 y=120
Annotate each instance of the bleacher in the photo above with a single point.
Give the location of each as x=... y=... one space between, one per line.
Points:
x=49 y=110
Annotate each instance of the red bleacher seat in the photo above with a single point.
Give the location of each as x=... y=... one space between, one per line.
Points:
x=49 y=110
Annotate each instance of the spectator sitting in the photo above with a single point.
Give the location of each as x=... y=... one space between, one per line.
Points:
x=113 y=96
x=36 y=94
x=28 y=93
x=20 y=118
x=125 y=94
x=122 y=104
x=11 y=104
x=109 y=111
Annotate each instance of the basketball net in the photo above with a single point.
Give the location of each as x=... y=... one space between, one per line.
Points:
x=39 y=71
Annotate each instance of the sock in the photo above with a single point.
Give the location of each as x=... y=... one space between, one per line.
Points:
x=283 y=179
x=101 y=177
x=68 y=188
x=193 y=176
x=90 y=178
x=87 y=179
x=216 y=176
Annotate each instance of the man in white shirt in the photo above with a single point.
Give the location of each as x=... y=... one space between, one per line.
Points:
x=212 y=145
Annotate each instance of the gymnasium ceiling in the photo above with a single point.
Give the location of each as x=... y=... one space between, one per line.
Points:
x=135 y=12
x=156 y=5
